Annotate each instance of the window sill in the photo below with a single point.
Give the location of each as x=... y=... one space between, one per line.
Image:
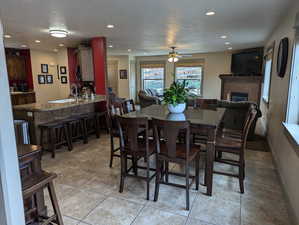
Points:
x=293 y=132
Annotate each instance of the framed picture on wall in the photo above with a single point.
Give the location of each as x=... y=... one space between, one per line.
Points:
x=44 y=68
x=123 y=74
x=41 y=79
x=57 y=68
x=49 y=79
x=63 y=70
x=63 y=79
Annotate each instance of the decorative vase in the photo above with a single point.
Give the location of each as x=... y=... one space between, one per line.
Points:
x=179 y=108
x=176 y=117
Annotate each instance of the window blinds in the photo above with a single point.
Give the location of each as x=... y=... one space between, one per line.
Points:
x=152 y=64
x=190 y=63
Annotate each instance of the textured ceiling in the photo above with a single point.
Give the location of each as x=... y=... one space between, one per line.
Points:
x=145 y=26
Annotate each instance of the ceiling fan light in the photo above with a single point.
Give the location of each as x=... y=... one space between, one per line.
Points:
x=173 y=59
x=58 y=33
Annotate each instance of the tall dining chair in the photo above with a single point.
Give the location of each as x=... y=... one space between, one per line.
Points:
x=168 y=150
x=132 y=146
x=128 y=105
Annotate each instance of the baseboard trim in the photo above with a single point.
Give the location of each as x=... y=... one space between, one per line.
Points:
x=292 y=214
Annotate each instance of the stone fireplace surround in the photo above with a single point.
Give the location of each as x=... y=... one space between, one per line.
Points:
x=250 y=85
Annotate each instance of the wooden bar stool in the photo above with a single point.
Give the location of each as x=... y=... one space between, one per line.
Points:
x=34 y=184
x=76 y=129
x=58 y=135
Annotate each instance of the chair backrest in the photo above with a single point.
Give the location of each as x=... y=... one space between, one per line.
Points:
x=250 y=118
x=166 y=132
x=113 y=109
x=129 y=130
x=129 y=106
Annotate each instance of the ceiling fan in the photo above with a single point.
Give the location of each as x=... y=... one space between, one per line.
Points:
x=174 y=56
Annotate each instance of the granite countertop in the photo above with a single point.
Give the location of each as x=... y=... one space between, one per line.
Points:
x=40 y=107
x=21 y=93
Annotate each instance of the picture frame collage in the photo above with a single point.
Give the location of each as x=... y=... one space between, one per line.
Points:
x=46 y=78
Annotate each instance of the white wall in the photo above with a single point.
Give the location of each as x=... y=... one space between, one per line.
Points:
x=11 y=201
x=46 y=92
x=285 y=155
x=214 y=64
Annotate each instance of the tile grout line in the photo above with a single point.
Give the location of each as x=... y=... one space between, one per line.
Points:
x=138 y=214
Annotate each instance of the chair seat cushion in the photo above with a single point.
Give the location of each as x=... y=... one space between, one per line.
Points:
x=228 y=143
x=181 y=151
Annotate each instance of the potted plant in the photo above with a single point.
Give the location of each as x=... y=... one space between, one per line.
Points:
x=175 y=97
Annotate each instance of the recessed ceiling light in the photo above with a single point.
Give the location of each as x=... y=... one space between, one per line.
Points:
x=210 y=13
x=110 y=46
x=55 y=50
x=58 y=33
x=230 y=48
x=129 y=50
x=110 y=26
x=24 y=46
x=61 y=45
x=37 y=41
x=227 y=43
x=223 y=36
x=7 y=36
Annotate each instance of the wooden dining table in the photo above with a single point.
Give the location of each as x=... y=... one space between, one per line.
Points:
x=207 y=120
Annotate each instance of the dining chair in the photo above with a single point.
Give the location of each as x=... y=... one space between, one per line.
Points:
x=114 y=109
x=168 y=150
x=134 y=147
x=235 y=146
x=129 y=106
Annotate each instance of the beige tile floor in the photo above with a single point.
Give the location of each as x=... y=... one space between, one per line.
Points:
x=88 y=194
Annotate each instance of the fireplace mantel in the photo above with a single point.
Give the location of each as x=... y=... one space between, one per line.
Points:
x=242 y=84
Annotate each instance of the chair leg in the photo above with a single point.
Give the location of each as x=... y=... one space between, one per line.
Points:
x=241 y=177
x=147 y=179
x=112 y=150
x=97 y=127
x=55 y=203
x=41 y=140
x=68 y=137
x=187 y=187
x=197 y=172
x=123 y=171
x=52 y=141
x=135 y=169
x=157 y=184
x=166 y=171
x=85 y=134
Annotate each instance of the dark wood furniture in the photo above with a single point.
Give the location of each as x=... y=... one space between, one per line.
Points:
x=77 y=129
x=133 y=147
x=58 y=134
x=206 y=119
x=236 y=146
x=115 y=108
x=168 y=150
x=129 y=106
x=16 y=65
x=19 y=98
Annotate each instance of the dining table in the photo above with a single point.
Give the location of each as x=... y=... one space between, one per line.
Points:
x=207 y=120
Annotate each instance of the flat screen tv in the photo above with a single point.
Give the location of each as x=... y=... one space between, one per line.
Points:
x=248 y=62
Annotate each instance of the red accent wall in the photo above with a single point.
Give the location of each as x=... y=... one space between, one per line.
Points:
x=99 y=54
x=72 y=63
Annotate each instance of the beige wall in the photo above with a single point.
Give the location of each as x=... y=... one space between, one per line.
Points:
x=46 y=92
x=284 y=153
x=214 y=64
x=123 y=89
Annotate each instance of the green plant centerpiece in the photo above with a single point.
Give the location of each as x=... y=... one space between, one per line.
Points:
x=175 y=97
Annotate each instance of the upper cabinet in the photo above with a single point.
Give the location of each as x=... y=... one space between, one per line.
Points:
x=86 y=63
x=16 y=65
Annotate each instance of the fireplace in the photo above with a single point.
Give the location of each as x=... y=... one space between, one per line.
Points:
x=238 y=96
x=240 y=88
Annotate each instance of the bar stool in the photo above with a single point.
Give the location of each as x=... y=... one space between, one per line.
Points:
x=90 y=124
x=35 y=183
x=76 y=129
x=58 y=135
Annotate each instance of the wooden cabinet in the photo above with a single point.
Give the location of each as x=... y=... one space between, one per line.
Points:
x=23 y=98
x=16 y=66
x=86 y=64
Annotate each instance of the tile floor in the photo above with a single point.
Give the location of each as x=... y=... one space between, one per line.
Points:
x=88 y=194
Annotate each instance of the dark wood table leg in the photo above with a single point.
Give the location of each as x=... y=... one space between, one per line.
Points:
x=210 y=161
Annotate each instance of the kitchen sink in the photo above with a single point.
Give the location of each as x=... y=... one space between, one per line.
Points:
x=67 y=100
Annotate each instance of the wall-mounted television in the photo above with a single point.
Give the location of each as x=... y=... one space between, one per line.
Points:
x=247 y=62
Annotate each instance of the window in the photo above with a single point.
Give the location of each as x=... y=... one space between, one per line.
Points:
x=293 y=98
x=191 y=73
x=267 y=74
x=153 y=77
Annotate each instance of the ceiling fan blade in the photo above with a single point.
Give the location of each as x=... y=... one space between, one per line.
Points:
x=186 y=55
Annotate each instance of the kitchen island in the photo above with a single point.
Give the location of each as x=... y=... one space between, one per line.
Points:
x=39 y=113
